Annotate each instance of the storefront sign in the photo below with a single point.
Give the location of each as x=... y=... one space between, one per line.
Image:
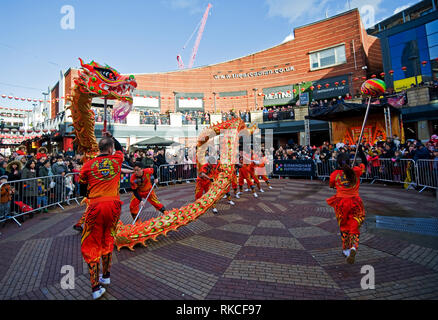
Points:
x=253 y=74
x=331 y=87
x=404 y=84
x=294 y=168
x=278 y=95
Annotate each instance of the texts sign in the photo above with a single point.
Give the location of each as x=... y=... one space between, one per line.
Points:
x=297 y=168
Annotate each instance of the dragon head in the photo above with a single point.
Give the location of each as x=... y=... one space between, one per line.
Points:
x=106 y=82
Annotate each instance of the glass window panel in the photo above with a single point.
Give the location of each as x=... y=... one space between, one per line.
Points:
x=432 y=40
x=326 y=53
x=328 y=61
x=432 y=27
x=340 y=54
x=314 y=60
x=433 y=52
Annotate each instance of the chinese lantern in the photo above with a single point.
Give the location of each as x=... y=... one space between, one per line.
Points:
x=312 y=88
x=382 y=74
x=356 y=79
x=373 y=76
x=364 y=78
x=21 y=130
x=45 y=130
x=52 y=130
x=404 y=68
x=424 y=63
x=29 y=130
x=344 y=82
x=327 y=85
x=37 y=130
x=319 y=86
x=303 y=89
x=295 y=90
x=336 y=83
x=391 y=72
x=3 y=96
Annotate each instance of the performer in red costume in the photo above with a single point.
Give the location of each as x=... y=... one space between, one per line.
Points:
x=254 y=163
x=100 y=183
x=244 y=174
x=205 y=178
x=260 y=168
x=141 y=186
x=347 y=203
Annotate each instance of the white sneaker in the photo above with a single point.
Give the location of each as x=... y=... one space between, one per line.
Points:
x=255 y=195
x=97 y=294
x=237 y=195
x=187 y=181
x=105 y=281
x=270 y=187
x=246 y=190
x=224 y=197
x=261 y=190
x=346 y=253
x=231 y=202
x=215 y=211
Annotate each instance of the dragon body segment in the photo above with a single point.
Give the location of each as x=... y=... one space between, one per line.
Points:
x=98 y=81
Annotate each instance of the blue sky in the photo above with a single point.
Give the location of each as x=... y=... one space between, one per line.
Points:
x=145 y=36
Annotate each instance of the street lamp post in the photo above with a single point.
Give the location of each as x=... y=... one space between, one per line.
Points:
x=255 y=98
x=214 y=95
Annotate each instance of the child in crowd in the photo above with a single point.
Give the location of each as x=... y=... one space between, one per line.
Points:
x=6 y=197
x=396 y=170
x=42 y=200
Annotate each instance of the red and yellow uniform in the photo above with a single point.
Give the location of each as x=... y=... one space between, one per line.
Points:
x=252 y=170
x=102 y=176
x=260 y=169
x=203 y=184
x=244 y=174
x=348 y=206
x=143 y=185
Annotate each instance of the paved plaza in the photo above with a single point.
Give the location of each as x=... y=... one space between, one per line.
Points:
x=284 y=245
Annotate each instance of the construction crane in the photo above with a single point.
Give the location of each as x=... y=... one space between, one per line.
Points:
x=201 y=26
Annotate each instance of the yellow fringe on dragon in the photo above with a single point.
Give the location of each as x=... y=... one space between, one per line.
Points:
x=96 y=80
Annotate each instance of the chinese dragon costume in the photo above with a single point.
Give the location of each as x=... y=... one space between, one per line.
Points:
x=96 y=80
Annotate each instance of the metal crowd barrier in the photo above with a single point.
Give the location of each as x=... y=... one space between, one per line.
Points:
x=29 y=196
x=389 y=170
x=423 y=173
x=173 y=173
x=427 y=173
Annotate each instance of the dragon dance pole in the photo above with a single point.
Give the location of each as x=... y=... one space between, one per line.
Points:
x=361 y=131
x=104 y=115
x=143 y=203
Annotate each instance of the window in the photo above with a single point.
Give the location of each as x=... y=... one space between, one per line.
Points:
x=328 y=57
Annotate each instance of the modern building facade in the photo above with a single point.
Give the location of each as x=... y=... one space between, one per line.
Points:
x=409 y=42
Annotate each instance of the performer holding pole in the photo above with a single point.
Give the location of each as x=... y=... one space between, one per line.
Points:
x=100 y=183
x=142 y=188
x=348 y=206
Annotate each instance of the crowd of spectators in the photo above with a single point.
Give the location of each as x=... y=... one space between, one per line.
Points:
x=56 y=181
x=391 y=148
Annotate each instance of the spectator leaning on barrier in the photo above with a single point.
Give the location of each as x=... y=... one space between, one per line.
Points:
x=29 y=186
x=6 y=197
